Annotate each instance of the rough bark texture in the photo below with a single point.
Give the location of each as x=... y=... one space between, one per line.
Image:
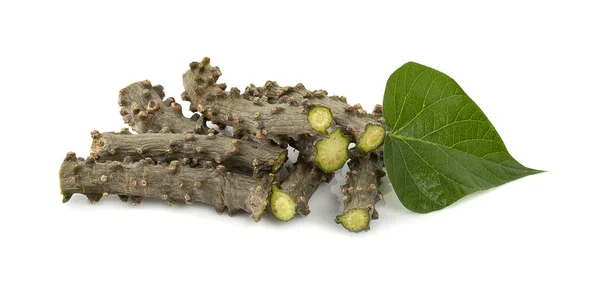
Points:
x=174 y=157
x=352 y=119
x=236 y=155
x=257 y=116
x=143 y=108
x=361 y=191
x=302 y=183
x=291 y=197
x=136 y=180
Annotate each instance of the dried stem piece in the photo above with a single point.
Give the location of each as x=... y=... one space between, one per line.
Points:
x=258 y=117
x=143 y=108
x=361 y=191
x=366 y=129
x=137 y=180
x=294 y=193
x=236 y=155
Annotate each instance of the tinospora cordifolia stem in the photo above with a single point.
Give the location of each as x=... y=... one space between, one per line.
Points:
x=361 y=191
x=366 y=129
x=240 y=156
x=143 y=108
x=292 y=195
x=225 y=191
x=258 y=117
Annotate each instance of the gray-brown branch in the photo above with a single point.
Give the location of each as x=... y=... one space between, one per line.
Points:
x=361 y=191
x=353 y=119
x=257 y=116
x=137 y=180
x=236 y=155
x=143 y=108
x=291 y=197
x=302 y=183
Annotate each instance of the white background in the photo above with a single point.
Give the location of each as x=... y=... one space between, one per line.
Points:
x=532 y=67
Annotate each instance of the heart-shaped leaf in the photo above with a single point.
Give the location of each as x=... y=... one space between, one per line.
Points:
x=441 y=146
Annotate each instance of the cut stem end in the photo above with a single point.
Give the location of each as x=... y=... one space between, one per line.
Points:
x=282 y=205
x=332 y=152
x=355 y=220
x=372 y=138
x=319 y=118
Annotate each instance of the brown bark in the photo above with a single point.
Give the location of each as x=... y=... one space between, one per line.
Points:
x=236 y=155
x=293 y=194
x=257 y=116
x=361 y=190
x=303 y=182
x=137 y=180
x=143 y=108
x=353 y=119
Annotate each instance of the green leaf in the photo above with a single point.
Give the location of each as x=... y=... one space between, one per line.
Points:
x=441 y=147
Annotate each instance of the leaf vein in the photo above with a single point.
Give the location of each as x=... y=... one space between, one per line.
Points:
x=417 y=115
x=452 y=123
x=407 y=93
x=472 y=173
x=428 y=89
